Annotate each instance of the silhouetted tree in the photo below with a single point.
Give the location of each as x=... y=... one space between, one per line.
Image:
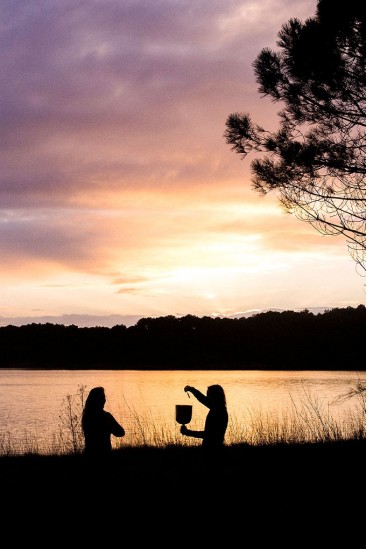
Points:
x=315 y=161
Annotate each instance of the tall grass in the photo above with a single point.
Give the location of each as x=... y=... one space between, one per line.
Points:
x=308 y=421
x=70 y=434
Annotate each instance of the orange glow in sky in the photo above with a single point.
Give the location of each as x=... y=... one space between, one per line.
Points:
x=119 y=195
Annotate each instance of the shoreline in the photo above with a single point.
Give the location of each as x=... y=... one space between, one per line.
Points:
x=313 y=489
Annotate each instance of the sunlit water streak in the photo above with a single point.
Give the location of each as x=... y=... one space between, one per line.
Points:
x=31 y=400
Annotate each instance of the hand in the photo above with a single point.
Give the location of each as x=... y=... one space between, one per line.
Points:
x=183 y=430
x=187 y=388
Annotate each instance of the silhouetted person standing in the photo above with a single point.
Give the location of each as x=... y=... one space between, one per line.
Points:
x=98 y=425
x=216 y=421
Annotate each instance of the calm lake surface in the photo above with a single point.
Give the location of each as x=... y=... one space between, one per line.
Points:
x=31 y=400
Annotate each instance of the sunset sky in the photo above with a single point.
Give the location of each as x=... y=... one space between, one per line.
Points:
x=119 y=195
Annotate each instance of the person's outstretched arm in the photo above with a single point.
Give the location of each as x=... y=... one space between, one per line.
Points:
x=197 y=394
x=189 y=433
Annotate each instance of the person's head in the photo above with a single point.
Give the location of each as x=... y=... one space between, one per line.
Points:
x=96 y=399
x=216 y=395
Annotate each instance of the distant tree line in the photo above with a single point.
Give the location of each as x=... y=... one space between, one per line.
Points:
x=333 y=340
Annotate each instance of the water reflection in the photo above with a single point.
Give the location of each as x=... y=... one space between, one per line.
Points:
x=31 y=399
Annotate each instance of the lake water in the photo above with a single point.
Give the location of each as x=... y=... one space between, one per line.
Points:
x=32 y=402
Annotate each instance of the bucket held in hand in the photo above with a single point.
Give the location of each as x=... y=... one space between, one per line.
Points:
x=183 y=413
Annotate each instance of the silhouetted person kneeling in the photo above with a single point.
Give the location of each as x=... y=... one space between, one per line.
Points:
x=98 y=425
x=217 y=419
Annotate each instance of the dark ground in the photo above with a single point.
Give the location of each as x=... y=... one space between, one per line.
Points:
x=310 y=495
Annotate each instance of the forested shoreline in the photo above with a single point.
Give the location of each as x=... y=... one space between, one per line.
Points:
x=333 y=340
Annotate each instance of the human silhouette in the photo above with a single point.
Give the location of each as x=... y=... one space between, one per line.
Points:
x=216 y=421
x=98 y=425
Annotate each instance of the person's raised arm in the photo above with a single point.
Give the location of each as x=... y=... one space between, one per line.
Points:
x=197 y=394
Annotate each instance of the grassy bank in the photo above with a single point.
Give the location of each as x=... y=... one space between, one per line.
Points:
x=253 y=496
x=308 y=421
x=294 y=481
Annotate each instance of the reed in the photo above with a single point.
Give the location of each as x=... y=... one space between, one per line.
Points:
x=308 y=421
